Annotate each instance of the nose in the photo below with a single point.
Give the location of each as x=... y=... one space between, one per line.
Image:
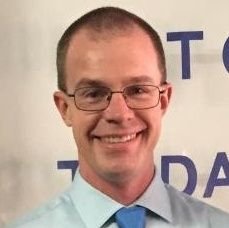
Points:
x=118 y=111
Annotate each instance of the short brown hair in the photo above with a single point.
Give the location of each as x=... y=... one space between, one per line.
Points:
x=102 y=20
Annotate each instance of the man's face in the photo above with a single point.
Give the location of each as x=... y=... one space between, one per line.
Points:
x=117 y=143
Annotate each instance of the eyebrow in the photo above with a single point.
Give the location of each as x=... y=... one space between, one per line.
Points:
x=84 y=82
x=141 y=79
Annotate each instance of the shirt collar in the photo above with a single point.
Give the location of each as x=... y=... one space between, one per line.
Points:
x=94 y=207
x=156 y=198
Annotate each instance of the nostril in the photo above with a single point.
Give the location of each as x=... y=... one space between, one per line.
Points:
x=113 y=121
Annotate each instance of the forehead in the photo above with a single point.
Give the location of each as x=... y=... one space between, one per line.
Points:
x=111 y=58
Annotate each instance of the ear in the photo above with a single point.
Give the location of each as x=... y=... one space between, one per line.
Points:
x=63 y=106
x=165 y=98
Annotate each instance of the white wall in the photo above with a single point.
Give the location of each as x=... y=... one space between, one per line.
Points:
x=32 y=135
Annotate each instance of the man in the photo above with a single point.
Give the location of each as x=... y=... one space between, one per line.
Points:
x=113 y=93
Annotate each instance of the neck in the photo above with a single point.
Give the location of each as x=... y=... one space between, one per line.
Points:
x=122 y=190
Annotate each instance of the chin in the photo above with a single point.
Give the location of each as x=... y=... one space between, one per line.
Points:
x=120 y=173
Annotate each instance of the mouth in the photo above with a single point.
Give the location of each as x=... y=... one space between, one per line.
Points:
x=118 y=139
x=114 y=139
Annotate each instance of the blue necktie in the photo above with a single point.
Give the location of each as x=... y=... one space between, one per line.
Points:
x=132 y=217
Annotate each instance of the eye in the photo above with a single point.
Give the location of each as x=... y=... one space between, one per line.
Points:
x=137 y=90
x=92 y=93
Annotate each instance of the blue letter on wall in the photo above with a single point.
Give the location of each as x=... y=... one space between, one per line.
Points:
x=185 y=37
x=72 y=165
x=226 y=54
x=220 y=161
x=189 y=165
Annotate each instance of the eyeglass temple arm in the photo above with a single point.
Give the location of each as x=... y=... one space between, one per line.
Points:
x=70 y=95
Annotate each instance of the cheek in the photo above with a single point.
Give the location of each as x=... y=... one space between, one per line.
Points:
x=152 y=117
x=153 y=121
x=82 y=125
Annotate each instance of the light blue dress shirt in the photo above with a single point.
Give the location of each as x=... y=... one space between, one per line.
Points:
x=83 y=206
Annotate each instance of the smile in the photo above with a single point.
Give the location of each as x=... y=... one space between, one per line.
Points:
x=118 y=139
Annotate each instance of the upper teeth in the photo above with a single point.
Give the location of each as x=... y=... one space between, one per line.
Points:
x=118 y=139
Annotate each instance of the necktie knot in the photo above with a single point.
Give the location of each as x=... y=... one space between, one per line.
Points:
x=132 y=217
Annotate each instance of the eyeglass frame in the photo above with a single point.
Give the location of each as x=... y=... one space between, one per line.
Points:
x=117 y=91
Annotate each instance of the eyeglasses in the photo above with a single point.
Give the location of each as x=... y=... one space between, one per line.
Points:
x=98 y=98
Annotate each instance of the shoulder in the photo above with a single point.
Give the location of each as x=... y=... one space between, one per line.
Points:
x=185 y=207
x=59 y=212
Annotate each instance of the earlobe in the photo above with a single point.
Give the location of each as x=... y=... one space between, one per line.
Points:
x=62 y=105
x=165 y=98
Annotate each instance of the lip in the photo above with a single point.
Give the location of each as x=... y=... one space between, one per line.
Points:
x=118 y=139
x=121 y=138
